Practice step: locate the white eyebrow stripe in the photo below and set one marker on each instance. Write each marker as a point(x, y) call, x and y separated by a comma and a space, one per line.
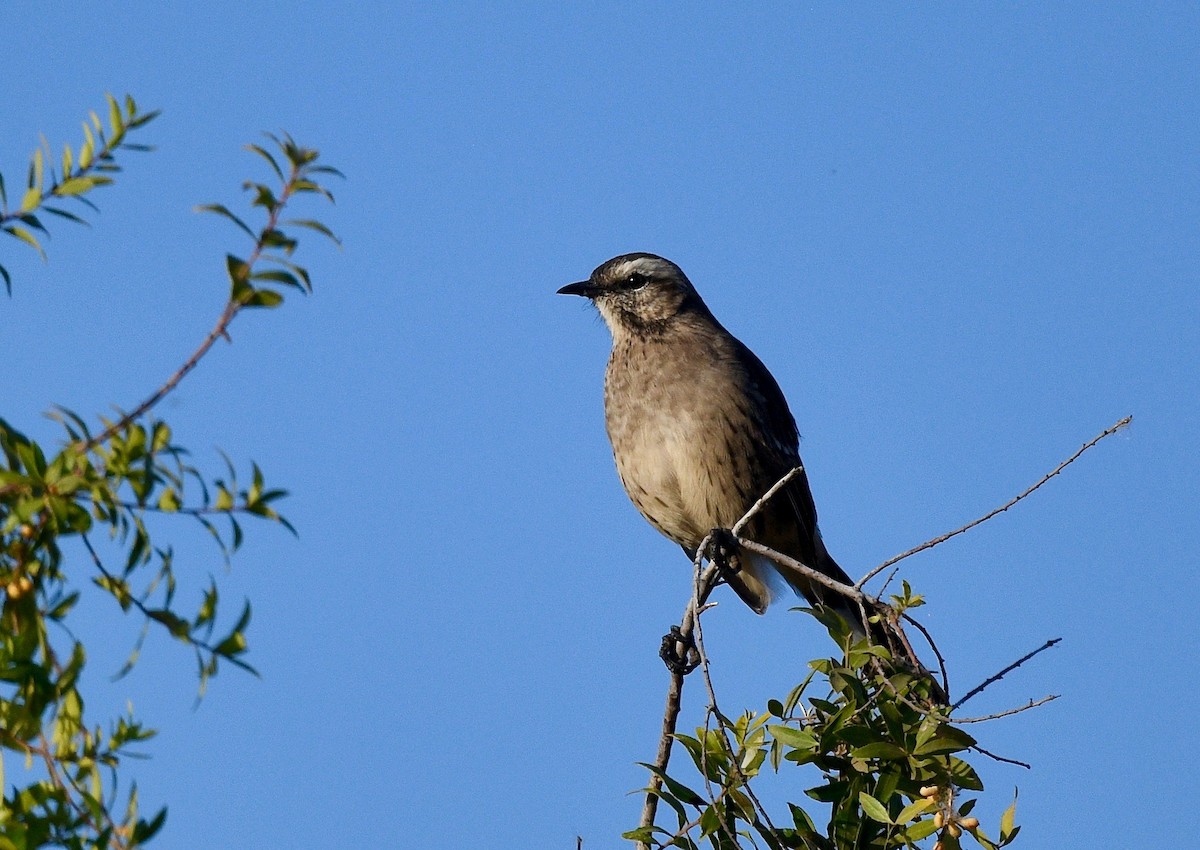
point(645, 265)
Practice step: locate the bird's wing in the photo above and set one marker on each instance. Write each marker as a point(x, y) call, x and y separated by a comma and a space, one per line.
point(793, 509)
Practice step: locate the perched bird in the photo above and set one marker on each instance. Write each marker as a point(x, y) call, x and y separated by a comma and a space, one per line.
point(700, 430)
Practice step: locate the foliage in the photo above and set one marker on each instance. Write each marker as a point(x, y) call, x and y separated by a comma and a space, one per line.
point(63, 510)
point(890, 761)
point(92, 166)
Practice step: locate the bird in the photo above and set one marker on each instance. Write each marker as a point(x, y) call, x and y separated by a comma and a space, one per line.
point(700, 430)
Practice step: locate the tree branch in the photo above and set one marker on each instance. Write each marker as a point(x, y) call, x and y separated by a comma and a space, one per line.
point(1002, 759)
point(978, 689)
point(1011, 711)
point(929, 544)
point(219, 330)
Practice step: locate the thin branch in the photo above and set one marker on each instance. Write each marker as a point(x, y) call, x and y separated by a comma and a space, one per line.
point(849, 591)
point(219, 330)
point(937, 652)
point(699, 587)
point(929, 544)
point(998, 676)
point(863, 600)
point(670, 718)
point(1011, 711)
point(702, 587)
point(991, 755)
point(189, 639)
point(766, 497)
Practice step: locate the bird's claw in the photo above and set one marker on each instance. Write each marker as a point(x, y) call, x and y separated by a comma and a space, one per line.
point(724, 552)
point(679, 662)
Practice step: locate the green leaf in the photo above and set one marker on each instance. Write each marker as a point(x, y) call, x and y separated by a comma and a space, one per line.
point(270, 160)
point(115, 121)
point(873, 809)
point(710, 821)
point(234, 644)
point(26, 237)
point(880, 750)
point(31, 199)
point(312, 224)
point(79, 185)
point(143, 831)
point(678, 789)
point(36, 177)
point(1007, 819)
point(949, 739)
point(914, 808)
point(262, 298)
point(801, 739)
point(174, 623)
point(964, 776)
point(67, 215)
point(169, 501)
point(920, 829)
point(644, 834)
point(239, 276)
point(222, 210)
point(88, 149)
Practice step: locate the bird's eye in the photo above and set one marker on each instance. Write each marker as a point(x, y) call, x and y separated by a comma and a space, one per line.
point(636, 281)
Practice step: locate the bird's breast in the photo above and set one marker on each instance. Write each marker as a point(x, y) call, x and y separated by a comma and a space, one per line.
point(677, 439)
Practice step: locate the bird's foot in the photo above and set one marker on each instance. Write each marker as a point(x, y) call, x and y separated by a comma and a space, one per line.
point(679, 652)
point(724, 552)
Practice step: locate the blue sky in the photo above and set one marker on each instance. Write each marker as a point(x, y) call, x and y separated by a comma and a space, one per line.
point(963, 238)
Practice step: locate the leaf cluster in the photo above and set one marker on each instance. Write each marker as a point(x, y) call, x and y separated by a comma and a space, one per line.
point(890, 764)
point(96, 508)
point(77, 174)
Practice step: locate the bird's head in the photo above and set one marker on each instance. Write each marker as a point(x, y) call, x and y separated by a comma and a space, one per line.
point(637, 292)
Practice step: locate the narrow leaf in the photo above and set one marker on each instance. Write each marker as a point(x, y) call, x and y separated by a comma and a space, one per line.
point(26, 237)
point(222, 210)
point(873, 809)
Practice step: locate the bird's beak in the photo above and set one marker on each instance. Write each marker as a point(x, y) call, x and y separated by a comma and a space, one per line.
point(584, 287)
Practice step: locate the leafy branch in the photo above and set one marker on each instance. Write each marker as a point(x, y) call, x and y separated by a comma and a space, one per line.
point(121, 478)
point(879, 730)
point(80, 173)
point(272, 248)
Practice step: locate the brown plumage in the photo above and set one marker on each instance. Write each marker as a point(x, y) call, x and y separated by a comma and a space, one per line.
point(700, 429)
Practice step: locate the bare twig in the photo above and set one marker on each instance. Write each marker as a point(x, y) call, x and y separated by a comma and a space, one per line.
point(929, 544)
point(888, 581)
point(998, 676)
point(937, 652)
point(702, 588)
point(849, 591)
point(218, 331)
point(1011, 711)
point(991, 755)
point(766, 497)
